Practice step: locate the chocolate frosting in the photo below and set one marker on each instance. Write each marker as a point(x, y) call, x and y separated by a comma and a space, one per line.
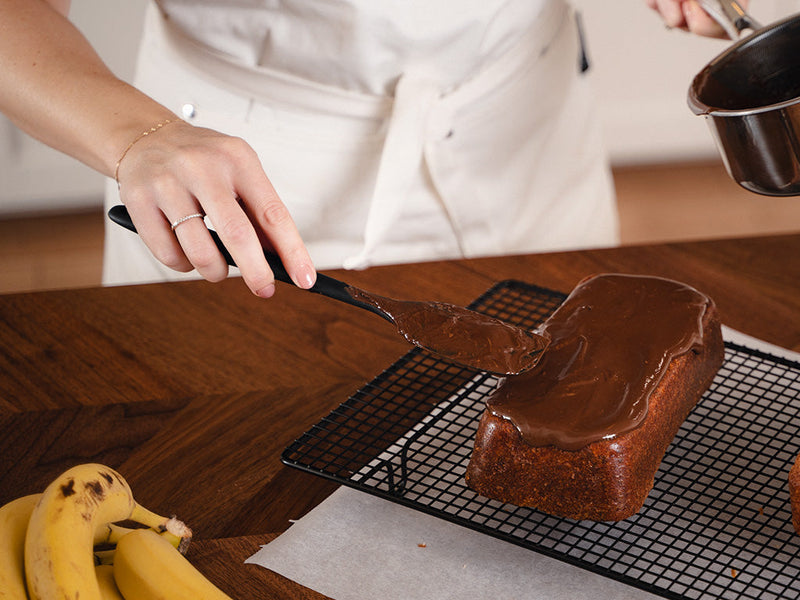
point(611, 343)
point(461, 335)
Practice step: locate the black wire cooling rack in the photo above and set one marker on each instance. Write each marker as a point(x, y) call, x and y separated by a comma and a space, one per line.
point(716, 525)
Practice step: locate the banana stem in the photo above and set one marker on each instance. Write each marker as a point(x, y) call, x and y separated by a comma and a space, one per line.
point(172, 529)
point(147, 517)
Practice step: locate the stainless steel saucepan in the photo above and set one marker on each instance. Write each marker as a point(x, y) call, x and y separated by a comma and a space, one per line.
point(750, 97)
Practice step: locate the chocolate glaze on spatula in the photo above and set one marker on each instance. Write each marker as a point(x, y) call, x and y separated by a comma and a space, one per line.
point(461, 335)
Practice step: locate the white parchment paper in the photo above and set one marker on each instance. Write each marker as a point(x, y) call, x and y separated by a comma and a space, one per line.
point(357, 546)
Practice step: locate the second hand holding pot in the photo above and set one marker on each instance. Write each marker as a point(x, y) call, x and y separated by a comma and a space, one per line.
point(453, 332)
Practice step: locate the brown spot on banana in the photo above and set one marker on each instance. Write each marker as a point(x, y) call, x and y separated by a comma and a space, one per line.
point(96, 489)
point(68, 489)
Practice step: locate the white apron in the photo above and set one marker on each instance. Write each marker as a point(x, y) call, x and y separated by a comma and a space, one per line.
point(387, 155)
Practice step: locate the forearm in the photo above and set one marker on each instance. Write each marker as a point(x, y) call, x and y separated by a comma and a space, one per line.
point(55, 87)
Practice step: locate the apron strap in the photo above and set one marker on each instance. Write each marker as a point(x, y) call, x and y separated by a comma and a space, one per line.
point(403, 150)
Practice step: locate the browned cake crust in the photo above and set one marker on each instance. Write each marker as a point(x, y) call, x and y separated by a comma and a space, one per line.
point(794, 493)
point(608, 479)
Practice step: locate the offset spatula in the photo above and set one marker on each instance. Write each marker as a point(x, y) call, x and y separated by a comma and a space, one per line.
point(455, 333)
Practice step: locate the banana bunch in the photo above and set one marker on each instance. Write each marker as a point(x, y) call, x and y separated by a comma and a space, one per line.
point(66, 544)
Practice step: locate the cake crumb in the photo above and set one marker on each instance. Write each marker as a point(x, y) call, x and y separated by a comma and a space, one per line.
point(422, 545)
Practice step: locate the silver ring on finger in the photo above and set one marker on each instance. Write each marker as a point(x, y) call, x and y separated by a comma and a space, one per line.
point(174, 224)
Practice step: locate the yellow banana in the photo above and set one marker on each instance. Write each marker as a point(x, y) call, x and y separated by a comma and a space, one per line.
point(14, 518)
point(148, 567)
point(105, 580)
point(59, 562)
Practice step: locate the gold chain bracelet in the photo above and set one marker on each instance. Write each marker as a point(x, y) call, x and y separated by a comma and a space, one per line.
point(139, 137)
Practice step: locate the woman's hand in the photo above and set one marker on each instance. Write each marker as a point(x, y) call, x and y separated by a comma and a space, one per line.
point(181, 170)
point(689, 16)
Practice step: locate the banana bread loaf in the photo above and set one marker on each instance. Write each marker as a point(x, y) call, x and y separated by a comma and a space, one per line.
point(583, 433)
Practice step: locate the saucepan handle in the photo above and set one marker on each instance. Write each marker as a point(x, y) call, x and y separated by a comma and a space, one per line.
point(731, 16)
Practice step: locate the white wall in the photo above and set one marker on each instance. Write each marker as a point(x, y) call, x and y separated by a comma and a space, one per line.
point(642, 72)
point(35, 178)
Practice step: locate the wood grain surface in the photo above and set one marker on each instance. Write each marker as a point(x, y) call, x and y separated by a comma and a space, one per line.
point(192, 390)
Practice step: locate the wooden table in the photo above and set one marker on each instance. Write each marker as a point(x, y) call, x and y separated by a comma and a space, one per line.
point(192, 390)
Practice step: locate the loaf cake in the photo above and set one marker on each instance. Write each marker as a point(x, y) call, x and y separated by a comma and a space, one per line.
point(583, 433)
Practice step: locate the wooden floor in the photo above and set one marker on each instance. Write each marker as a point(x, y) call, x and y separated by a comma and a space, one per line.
point(657, 203)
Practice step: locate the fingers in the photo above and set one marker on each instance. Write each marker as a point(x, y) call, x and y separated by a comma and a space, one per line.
point(248, 215)
point(186, 247)
point(687, 15)
point(699, 22)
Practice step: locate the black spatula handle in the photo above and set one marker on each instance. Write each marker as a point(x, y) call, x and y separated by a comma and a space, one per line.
point(326, 286)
